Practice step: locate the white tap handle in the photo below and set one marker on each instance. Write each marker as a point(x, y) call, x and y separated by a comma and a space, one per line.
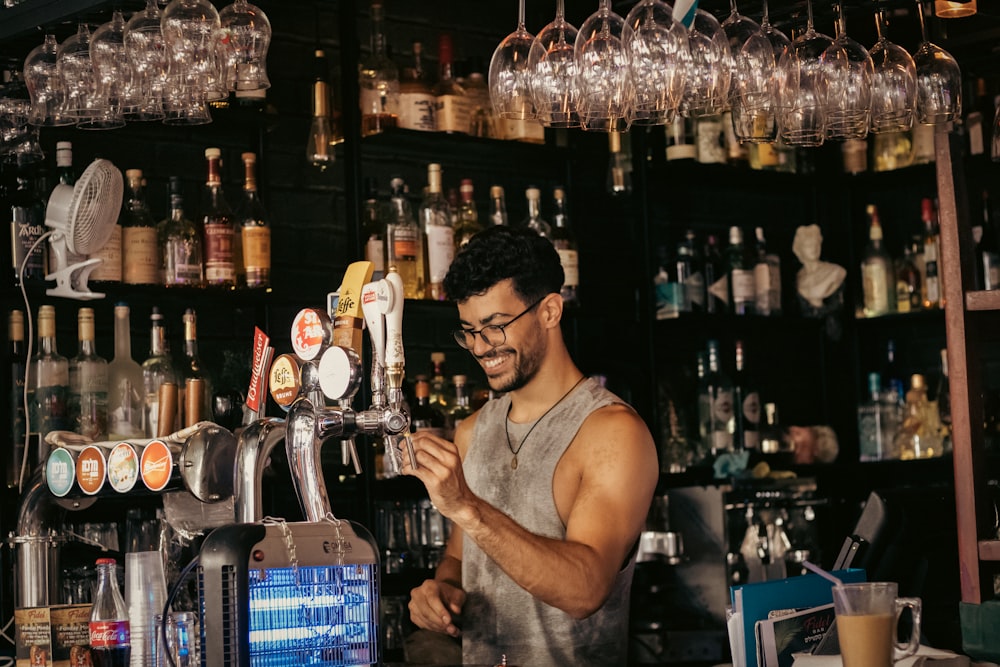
point(393, 311)
point(370, 306)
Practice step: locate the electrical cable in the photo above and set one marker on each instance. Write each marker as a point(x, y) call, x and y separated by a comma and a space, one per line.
point(170, 601)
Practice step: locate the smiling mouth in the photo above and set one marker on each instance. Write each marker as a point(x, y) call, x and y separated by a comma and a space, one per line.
point(493, 360)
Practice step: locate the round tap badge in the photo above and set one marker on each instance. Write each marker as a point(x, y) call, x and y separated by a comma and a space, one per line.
point(123, 467)
point(90, 469)
point(311, 330)
point(155, 465)
point(283, 380)
point(60, 472)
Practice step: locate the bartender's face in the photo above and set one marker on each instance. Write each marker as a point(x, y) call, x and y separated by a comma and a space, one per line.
point(512, 364)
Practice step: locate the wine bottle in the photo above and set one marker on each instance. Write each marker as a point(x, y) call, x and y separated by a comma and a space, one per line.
point(192, 368)
point(451, 108)
point(88, 383)
point(534, 220)
point(876, 269)
point(742, 291)
point(217, 226)
point(48, 383)
point(498, 206)
point(373, 229)
point(746, 404)
point(435, 221)
point(156, 369)
point(565, 242)
point(932, 255)
point(718, 402)
point(467, 222)
point(254, 230)
point(125, 387)
point(140, 251)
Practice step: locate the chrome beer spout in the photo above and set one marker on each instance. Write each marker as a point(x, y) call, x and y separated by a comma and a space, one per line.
point(35, 542)
point(253, 449)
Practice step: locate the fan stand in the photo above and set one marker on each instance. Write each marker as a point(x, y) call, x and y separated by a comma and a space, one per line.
point(75, 287)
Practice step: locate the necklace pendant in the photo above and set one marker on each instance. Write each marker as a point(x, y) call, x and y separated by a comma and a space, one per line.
point(513, 463)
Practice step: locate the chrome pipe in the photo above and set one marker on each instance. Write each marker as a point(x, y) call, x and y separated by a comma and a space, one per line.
point(303, 442)
point(35, 542)
point(252, 451)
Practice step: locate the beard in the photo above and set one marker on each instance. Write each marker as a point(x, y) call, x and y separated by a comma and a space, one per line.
point(526, 365)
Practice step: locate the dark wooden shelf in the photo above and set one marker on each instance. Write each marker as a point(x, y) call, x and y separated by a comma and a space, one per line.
point(989, 550)
point(980, 300)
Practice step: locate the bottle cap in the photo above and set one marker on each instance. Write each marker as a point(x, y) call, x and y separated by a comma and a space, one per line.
point(496, 191)
point(213, 153)
point(106, 561)
point(532, 193)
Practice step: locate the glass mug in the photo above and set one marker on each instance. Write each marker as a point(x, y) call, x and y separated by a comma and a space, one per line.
point(867, 617)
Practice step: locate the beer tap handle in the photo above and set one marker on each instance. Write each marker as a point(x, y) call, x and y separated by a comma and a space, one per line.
point(392, 308)
point(371, 295)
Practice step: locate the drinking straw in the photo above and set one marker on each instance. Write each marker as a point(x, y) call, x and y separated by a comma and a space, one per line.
point(823, 573)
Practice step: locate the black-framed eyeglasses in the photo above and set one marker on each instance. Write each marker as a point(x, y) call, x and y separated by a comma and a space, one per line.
point(493, 334)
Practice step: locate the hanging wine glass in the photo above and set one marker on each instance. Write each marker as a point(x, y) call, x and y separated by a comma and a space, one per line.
point(708, 74)
point(45, 86)
point(190, 31)
point(602, 71)
point(113, 81)
point(77, 73)
point(658, 57)
point(552, 64)
point(894, 84)
point(738, 29)
point(510, 76)
point(803, 87)
point(939, 80)
point(245, 37)
point(849, 73)
point(146, 51)
point(754, 89)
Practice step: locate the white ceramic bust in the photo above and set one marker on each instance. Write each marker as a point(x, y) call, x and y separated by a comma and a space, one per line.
point(817, 280)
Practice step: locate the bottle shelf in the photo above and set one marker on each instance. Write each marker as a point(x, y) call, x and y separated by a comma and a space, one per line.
point(935, 315)
point(981, 300)
point(989, 550)
point(407, 145)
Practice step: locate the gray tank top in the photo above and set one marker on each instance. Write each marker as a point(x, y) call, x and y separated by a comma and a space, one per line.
point(499, 616)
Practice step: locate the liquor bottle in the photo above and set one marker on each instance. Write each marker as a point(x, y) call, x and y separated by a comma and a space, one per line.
point(534, 220)
point(498, 206)
point(742, 291)
point(978, 119)
point(254, 229)
point(440, 396)
point(88, 383)
point(943, 399)
point(451, 108)
point(876, 269)
point(416, 98)
point(716, 278)
point(746, 405)
point(319, 145)
point(919, 436)
point(140, 251)
point(66, 175)
point(987, 249)
point(932, 283)
point(18, 365)
point(110, 270)
point(425, 416)
point(717, 404)
point(378, 80)
point(703, 405)
point(690, 272)
point(908, 291)
point(193, 371)
point(463, 406)
point(125, 388)
point(435, 222)
point(156, 369)
point(766, 278)
point(27, 224)
point(181, 248)
point(871, 430)
point(564, 240)
point(775, 444)
point(892, 377)
point(619, 178)
point(48, 383)
point(404, 245)
point(477, 91)
point(373, 229)
point(110, 636)
point(453, 206)
point(468, 217)
point(217, 226)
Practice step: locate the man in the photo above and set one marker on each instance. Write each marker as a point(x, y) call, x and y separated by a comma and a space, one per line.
point(547, 487)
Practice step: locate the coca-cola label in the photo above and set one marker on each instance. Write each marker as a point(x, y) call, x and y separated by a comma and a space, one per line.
point(109, 634)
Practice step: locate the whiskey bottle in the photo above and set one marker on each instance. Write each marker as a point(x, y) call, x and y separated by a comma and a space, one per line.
point(565, 242)
point(48, 384)
point(125, 388)
point(742, 291)
point(181, 249)
point(27, 224)
point(404, 244)
point(88, 383)
point(373, 229)
point(467, 221)
point(217, 226)
point(498, 206)
point(932, 282)
point(110, 269)
point(193, 373)
point(766, 278)
point(876, 269)
point(416, 98)
point(451, 108)
point(378, 80)
point(534, 220)
point(18, 366)
point(426, 416)
point(435, 220)
point(254, 229)
point(140, 251)
point(908, 291)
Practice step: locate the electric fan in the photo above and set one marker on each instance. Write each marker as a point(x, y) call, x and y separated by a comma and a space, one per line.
point(82, 217)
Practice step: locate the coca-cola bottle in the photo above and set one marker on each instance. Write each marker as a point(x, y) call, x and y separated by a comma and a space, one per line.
point(110, 638)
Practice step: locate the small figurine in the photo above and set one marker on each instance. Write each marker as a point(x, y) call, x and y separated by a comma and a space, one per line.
point(820, 284)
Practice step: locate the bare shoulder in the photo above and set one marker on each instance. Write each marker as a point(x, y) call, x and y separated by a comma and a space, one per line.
point(617, 431)
point(463, 433)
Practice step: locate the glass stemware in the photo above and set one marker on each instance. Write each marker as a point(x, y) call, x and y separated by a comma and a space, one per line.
point(552, 63)
point(602, 71)
point(658, 56)
point(245, 38)
point(849, 73)
point(754, 96)
point(708, 74)
point(45, 86)
point(510, 76)
point(146, 51)
point(77, 73)
point(939, 80)
point(803, 87)
point(894, 84)
point(113, 81)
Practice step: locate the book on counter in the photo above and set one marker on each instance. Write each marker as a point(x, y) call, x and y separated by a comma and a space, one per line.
point(754, 602)
point(787, 632)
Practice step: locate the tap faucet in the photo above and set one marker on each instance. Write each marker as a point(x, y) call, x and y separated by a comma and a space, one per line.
point(253, 448)
point(35, 541)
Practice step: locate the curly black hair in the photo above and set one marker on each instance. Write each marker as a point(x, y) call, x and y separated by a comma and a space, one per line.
point(500, 252)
